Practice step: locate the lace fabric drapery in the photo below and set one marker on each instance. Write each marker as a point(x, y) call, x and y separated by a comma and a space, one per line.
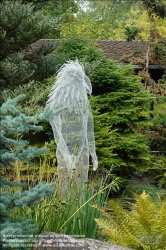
point(73, 127)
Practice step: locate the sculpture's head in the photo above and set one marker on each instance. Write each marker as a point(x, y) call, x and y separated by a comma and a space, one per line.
point(72, 72)
point(71, 88)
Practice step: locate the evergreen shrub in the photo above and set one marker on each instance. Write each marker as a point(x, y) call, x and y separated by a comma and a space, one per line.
point(121, 113)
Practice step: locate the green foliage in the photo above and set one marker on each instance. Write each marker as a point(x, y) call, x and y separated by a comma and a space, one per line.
point(73, 214)
point(131, 32)
point(163, 79)
point(63, 10)
point(121, 114)
point(137, 52)
point(36, 94)
point(161, 178)
point(45, 64)
point(157, 6)
point(112, 11)
point(43, 168)
point(157, 48)
point(158, 139)
point(104, 77)
point(34, 101)
point(78, 47)
point(73, 47)
point(15, 71)
point(20, 26)
point(142, 227)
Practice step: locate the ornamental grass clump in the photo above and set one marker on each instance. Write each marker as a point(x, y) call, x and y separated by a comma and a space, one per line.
point(75, 214)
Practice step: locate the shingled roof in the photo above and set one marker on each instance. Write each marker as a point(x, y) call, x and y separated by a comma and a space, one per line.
point(122, 51)
point(116, 49)
point(133, 52)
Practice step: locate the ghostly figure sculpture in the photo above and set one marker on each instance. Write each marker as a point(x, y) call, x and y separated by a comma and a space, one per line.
point(73, 127)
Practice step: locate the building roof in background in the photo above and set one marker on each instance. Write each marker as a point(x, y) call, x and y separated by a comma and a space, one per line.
point(122, 51)
point(116, 49)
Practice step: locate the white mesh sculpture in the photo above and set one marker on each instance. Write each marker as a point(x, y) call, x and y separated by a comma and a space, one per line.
point(73, 127)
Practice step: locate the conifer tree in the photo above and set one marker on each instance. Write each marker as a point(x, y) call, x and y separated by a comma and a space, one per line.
point(14, 122)
point(22, 25)
point(122, 113)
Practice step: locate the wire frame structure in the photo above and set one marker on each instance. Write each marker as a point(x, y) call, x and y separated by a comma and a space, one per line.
point(73, 128)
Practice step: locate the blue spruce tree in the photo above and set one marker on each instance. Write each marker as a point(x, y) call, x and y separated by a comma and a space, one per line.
point(11, 150)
